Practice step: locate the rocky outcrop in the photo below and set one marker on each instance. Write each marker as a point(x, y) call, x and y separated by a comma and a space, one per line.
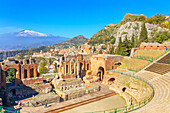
point(128, 26)
point(129, 29)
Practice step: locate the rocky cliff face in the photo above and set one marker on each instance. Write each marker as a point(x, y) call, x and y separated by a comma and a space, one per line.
point(129, 26)
point(129, 29)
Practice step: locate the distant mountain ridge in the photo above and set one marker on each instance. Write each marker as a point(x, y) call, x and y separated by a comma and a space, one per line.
point(78, 40)
point(27, 39)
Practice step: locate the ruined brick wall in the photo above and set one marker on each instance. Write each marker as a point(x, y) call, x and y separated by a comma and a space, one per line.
point(110, 63)
point(31, 81)
point(97, 62)
point(155, 47)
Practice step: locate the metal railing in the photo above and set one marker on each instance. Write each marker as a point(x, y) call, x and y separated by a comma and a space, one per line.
point(12, 110)
point(132, 107)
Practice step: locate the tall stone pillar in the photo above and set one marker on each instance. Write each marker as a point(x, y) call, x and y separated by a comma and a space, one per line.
point(35, 70)
point(85, 65)
point(22, 72)
point(65, 68)
point(77, 69)
point(70, 68)
point(60, 68)
point(28, 71)
point(3, 79)
point(74, 68)
point(17, 75)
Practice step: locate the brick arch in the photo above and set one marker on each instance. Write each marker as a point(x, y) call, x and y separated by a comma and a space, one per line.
point(4, 68)
point(101, 72)
point(111, 80)
point(17, 75)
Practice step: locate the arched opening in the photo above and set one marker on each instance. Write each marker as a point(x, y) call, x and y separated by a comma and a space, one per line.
point(87, 66)
point(123, 89)
point(25, 73)
point(118, 63)
point(31, 73)
point(72, 67)
point(10, 76)
point(111, 81)
point(66, 69)
point(100, 73)
point(13, 91)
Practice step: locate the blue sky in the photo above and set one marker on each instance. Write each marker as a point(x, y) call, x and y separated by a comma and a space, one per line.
point(70, 18)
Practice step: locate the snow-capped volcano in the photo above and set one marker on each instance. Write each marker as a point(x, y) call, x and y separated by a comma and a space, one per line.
point(27, 39)
point(29, 33)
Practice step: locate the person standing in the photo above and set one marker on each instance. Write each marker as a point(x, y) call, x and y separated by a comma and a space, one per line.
point(19, 104)
point(45, 104)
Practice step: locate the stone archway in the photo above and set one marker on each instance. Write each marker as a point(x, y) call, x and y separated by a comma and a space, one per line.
point(111, 81)
point(81, 68)
point(100, 73)
point(124, 89)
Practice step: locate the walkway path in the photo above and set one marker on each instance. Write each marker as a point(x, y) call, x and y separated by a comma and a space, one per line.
point(101, 105)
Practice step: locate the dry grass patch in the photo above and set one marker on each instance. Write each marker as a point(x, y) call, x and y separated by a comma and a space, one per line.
point(134, 64)
point(149, 54)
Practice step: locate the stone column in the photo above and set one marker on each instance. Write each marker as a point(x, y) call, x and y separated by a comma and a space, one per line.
point(35, 70)
point(3, 79)
point(60, 68)
point(17, 75)
point(77, 69)
point(70, 68)
point(22, 71)
point(65, 68)
point(74, 68)
point(28, 71)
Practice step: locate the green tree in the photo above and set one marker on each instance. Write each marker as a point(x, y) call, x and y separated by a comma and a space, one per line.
point(10, 74)
point(94, 49)
point(113, 39)
point(76, 46)
point(119, 47)
point(56, 68)
point(111, 50)
point(126, 47)
point(157, 19)
point(143, 34)
point(100, 52)
point(162, 36)
point(133, 41)
point(50, 61)
point(103, 47)
point(43, 69)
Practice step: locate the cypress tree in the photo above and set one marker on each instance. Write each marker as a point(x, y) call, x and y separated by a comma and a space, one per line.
point(126, 47)
point(143, 34)
point(111, 50)
point(119, 47)
point(133, 41)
